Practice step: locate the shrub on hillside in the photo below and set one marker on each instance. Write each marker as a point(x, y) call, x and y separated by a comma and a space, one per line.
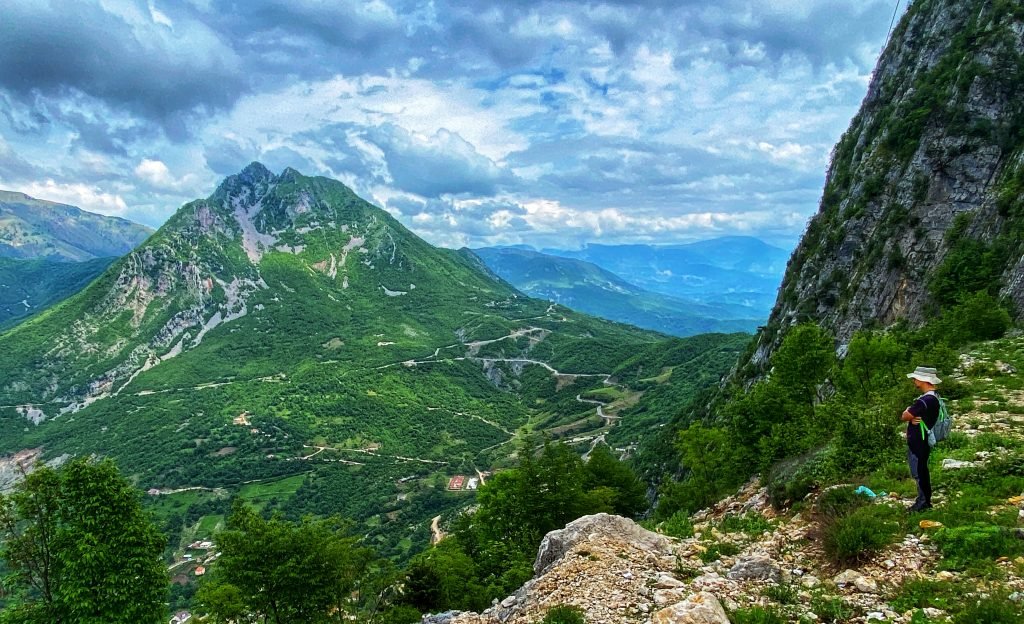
point(839, 501)
point(751, 523)
point(861, 533)
point(979, 316)
point(791, 480)
point(679, 525)
point(717, 550)
point(564, 614)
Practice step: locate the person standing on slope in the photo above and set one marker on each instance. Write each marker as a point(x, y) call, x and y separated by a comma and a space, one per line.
point(925, 409)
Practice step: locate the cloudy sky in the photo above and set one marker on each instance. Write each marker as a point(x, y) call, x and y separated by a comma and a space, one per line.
point(551, 123)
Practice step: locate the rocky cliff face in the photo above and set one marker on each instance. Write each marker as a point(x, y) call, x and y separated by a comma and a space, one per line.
point(922, 201)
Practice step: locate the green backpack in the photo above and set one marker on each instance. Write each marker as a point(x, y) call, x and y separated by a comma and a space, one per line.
point(942, 427)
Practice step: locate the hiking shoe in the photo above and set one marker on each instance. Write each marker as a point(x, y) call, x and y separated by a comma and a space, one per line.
point(916, 507)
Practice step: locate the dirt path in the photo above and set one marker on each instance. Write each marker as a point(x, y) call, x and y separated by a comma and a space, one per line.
point(398, 457)
point(436, 535)
point(473, 416)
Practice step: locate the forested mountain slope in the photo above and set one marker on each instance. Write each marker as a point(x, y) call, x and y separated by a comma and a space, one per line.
point(29, 286)
point(286, 340)
point(923, 198)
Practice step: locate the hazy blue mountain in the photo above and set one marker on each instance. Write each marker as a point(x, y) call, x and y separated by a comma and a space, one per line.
point(736, 270)
point(586, 287)
point(33, 228)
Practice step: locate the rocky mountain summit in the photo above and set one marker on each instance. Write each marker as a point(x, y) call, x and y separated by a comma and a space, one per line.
point(745, 554)
point(922, 201)
point(202, 270)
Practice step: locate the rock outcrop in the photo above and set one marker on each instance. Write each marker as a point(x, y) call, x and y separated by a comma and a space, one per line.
point(929, 171)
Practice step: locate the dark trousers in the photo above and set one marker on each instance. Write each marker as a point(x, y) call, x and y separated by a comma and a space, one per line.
point(917, 458)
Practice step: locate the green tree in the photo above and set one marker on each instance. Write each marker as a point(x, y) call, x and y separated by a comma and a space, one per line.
point(627, 492)
point(804, 361)
point(80, 548)
point(708, 454)
point(284, 571)
point(444, 577)
point(873, 363)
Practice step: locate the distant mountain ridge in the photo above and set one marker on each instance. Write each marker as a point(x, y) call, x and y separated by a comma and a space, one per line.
point(736, 270)
point(586, 287)
point(33, 228)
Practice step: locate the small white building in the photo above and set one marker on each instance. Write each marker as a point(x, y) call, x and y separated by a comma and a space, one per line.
point(472, 484)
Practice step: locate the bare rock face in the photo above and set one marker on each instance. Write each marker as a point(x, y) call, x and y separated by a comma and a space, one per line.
point(699, 608)
point(926, 167)
point(557, 543)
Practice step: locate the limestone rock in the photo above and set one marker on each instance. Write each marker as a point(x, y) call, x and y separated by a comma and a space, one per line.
point(664, 597)
point(857, 580)
point(441, 618)
point(699, 608)
point(810, 581)
point(667, 581)
point(556, 543)
point(955, 464)
point(757, 568)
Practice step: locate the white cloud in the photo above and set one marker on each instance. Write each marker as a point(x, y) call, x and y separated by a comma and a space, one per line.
point(84, 196)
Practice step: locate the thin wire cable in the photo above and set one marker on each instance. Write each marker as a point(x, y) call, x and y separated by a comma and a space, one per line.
point(892, 23)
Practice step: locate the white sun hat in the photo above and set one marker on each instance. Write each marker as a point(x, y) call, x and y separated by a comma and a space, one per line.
point(924, 373)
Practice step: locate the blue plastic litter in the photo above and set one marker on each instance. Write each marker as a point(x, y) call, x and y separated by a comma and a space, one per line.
point(866, 492)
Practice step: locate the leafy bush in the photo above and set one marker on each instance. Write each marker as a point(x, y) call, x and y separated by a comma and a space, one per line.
point(679, 525)
point(977, 316)
point(757, 615)
point(839, 501)
point(793, 479)
point(860, 534)
point(750, 523)
point(564, 614)
point(974, 543)
point(718, 550)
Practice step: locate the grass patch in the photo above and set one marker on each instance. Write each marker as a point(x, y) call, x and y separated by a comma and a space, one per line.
point(782, 593)
point(208, 525)
point(977, 544)
point(994, 609)
point(757, 615)
point(831, 609)
point(718, 550)
point(923, 593)
point(839, 501)
point(259, 494)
